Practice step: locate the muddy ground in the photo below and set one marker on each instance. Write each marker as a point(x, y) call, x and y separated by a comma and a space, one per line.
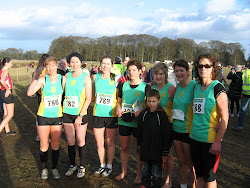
point(20, 163)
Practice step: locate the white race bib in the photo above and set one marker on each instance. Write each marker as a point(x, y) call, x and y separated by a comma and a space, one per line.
point(178, 114)
point(52, 101)
point(71, 101)
point(127, 107)
point(199, 105)
point(104, 99)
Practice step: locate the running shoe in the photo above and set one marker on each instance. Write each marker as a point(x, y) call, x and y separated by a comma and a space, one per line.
point(107, 172)
point(100, 170)
point(55, 174)
point(45, 174)
point(81, 172)
point(10, 133)
point(71, 170)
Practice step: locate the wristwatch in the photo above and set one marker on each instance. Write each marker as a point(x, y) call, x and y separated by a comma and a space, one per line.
point(80, 115)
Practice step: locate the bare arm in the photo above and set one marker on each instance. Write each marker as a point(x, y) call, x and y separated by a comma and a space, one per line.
point(93, 88)
point(222, 106)
point(171, 92)
point(36, 85)
point(88, 91)
point(118, 107)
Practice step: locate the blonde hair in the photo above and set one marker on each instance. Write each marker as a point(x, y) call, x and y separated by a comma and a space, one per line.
point(161, 66)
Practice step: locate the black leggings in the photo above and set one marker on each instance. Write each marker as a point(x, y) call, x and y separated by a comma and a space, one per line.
point(237, 105)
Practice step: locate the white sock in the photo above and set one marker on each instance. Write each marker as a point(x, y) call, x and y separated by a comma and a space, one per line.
point(102, 165)
point(109, 166)
point(183, 185)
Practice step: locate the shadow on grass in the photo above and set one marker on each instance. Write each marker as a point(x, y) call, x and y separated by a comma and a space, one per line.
point(5, 180)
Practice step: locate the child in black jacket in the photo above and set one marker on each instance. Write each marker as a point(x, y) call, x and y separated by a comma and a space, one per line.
point(154, 140)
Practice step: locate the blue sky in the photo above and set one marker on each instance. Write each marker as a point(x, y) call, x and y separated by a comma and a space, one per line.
point(32, 25)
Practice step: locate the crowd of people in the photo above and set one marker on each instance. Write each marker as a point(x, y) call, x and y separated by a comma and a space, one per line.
point(189, 116)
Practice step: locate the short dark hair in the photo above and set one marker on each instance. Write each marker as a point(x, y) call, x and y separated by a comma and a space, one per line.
point(153, 93)
point(181, 63)
point(136, 63)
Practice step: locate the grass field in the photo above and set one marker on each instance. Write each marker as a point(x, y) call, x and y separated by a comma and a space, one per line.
point(20, 163)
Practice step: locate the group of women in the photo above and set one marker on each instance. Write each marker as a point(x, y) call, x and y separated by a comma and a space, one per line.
point(197, 111)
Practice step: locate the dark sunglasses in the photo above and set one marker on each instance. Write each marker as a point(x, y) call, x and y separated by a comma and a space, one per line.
point(207, 66)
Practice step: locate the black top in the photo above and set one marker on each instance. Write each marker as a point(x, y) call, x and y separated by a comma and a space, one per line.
point(153, 134)
point(235, 87)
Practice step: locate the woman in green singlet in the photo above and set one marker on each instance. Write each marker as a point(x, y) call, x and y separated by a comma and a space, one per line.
point(182, 121)
point(104, 113)
point(49, 115)
point(78, 93)
point(210, 111)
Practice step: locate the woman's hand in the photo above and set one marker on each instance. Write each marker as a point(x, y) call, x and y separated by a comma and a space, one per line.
point(7, 93)
point(78, 122)
point(137, 113)
point(119, 112)
point(215, 148)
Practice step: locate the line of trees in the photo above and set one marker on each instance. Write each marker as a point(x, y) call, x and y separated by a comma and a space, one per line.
point(144, 47)
point(20, 54)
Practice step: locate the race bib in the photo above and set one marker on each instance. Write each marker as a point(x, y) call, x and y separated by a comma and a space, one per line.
point(52, 101)
point(199, 105)
point(71, 101)
point(178, 114)
point(127, 107)
point(104, 99)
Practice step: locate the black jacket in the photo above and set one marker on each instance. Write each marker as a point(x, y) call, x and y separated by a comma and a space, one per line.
point(153, 134)
point(235, 87)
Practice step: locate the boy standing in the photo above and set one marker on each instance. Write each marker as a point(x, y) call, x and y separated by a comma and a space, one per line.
point(154, 140)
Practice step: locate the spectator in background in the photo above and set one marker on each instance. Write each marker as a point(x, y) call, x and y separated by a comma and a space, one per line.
point(95, 69)
point(30, 70)
point(235, 89)
point(245, 97)
point(84, 68)
point(62, 67)
point(144, 74)
point(171, 76)
point(221, 76)
point(150, 73)
point(125, 62)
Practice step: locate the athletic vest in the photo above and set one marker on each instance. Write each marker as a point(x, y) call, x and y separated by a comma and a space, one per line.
point(246, 82)
point(74, 94)
point(105, 93)
point(129, 96)
point(205, 114)
point(8, 81)
point(51, 96)
point(183, 108)
point(166, 103)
